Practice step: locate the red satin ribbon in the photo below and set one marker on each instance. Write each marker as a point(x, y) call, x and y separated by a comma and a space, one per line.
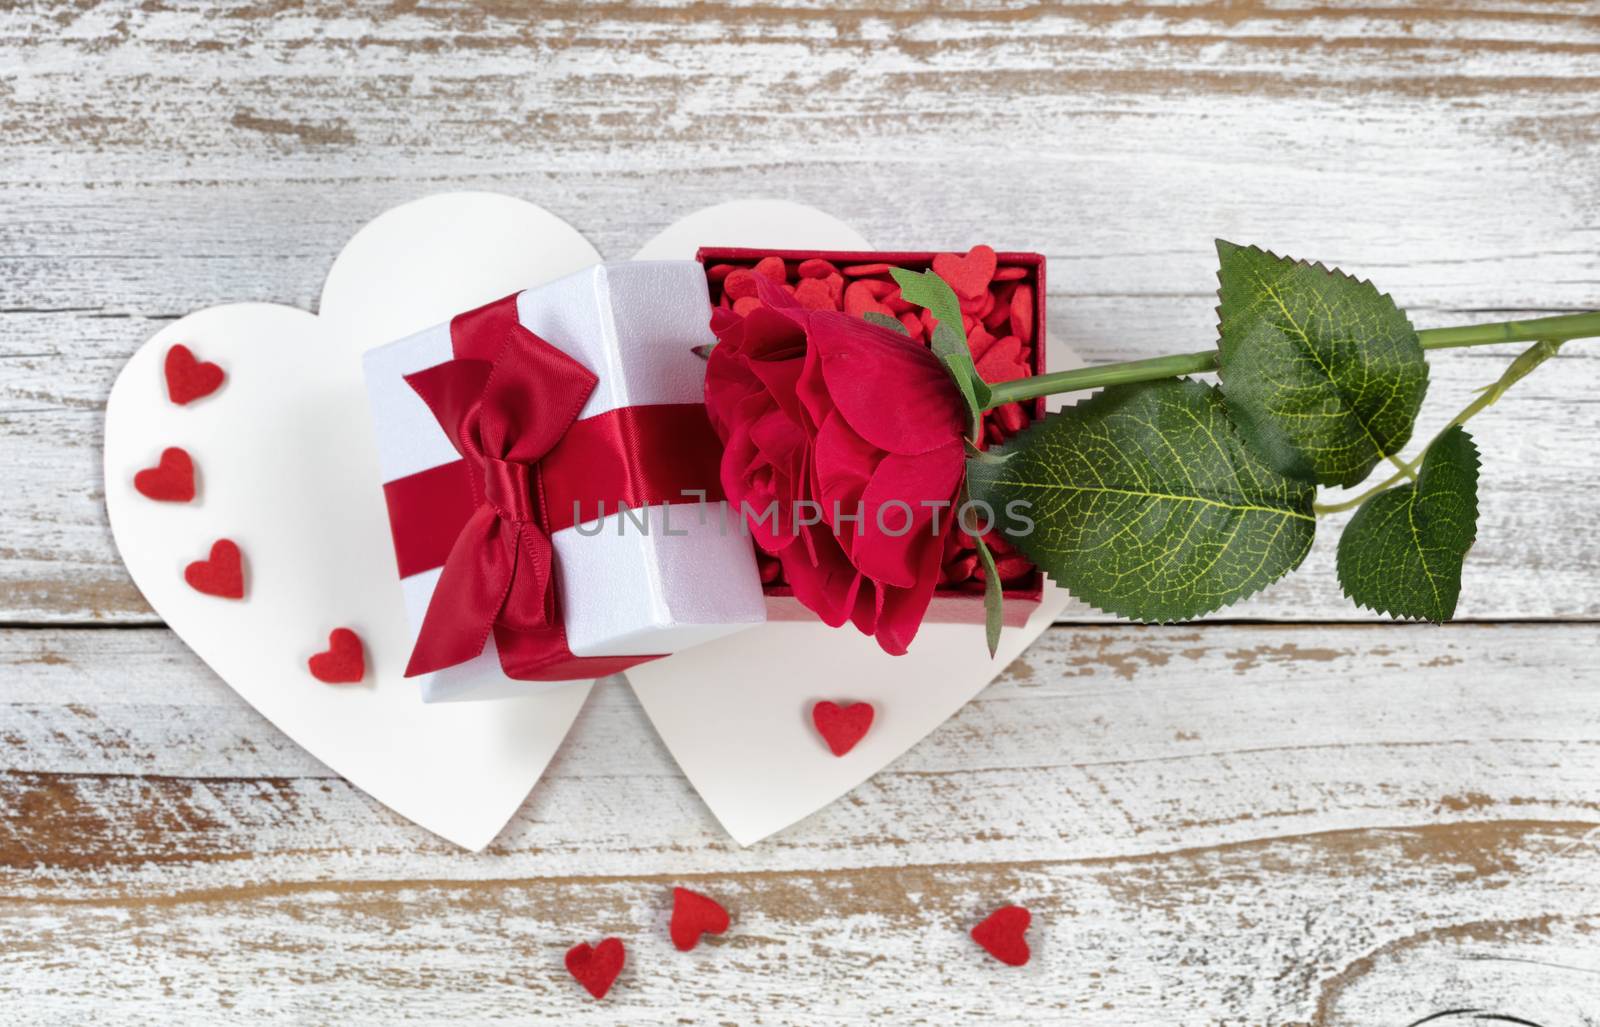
point(509, 403)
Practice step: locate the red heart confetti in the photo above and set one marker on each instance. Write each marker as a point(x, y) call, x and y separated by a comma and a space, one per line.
point(815, 294)
point(860, 298)
point(694, 914)
point(842, 726)
point(816, 267)
point(1001, 935)
point(739, 284)
point(1022, 312)
point(221, 574)
point(188, 379)
point(970, 275)
point(343, 662)
point(171, 480)
point(596, 966)
point(774, 268)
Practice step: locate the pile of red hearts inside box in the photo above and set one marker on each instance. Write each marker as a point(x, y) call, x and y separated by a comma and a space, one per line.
point(998, 308)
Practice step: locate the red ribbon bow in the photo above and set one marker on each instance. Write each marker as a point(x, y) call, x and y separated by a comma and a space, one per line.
point(509, 403)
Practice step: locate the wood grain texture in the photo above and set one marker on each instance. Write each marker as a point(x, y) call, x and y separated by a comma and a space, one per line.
point(1255, 824)
point(161, 159)
point(1284, 825)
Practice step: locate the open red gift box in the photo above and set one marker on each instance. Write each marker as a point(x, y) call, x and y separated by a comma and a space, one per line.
point(958, 599)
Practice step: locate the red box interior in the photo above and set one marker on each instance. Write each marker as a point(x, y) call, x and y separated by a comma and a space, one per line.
point(951, 604)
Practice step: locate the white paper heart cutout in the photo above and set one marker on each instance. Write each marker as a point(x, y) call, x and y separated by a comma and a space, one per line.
point(285, 458)
point(287, 440)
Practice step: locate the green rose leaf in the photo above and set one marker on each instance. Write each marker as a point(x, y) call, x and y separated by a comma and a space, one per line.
point(993, 596)
point(1401, 553)
point(1145, 501)
point(949, 344)
point(926, 289)
point(885, 321)
point(1323, 374)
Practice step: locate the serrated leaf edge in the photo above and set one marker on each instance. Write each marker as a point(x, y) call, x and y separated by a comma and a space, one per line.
point(1336, 272)
point(1406, 618)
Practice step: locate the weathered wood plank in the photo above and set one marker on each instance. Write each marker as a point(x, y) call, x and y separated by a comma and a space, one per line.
point(1285, 932)
point(160, 160)
point(1234, 824)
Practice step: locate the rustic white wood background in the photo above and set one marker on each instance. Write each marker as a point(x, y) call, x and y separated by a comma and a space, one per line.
point(1251, 821)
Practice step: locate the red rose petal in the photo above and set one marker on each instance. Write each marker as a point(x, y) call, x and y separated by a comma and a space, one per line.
point(1022, 312)
point(773, 268)
point(857, 357)
point(842, 726)
point(739, 284)
point(968, 275)
point(1001, 935)
point(694, 914)
point(171, 480)
point(343, 662)
point(596, 966)
point(221, 574)
point(189, 379)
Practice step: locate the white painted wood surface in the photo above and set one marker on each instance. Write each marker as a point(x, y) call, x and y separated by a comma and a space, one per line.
point(1287, 824)
point(1249, 823)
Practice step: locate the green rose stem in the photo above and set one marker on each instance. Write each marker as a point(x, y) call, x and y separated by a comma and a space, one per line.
point(1520, 368)
point(1552, 329)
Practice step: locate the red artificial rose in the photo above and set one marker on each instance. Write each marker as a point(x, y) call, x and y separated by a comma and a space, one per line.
point(852, 426)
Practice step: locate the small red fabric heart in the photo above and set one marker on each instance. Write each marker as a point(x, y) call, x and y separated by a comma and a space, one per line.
point(970, 275)
point(596, 966)
point(222, 574)
point(694, 914)
point(842, 726)
point(1001, 932)
point(189, 379)
point(171, 480)
point(343, 662)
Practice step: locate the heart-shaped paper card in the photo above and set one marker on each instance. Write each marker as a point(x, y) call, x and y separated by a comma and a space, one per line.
point(286, 468)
